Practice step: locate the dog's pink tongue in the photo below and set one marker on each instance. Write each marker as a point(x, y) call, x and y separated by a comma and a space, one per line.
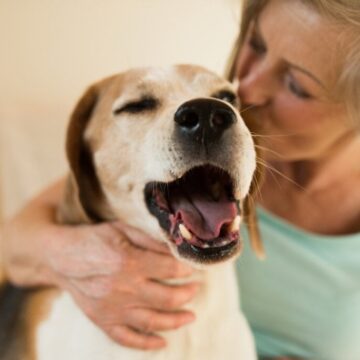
point(200, 213)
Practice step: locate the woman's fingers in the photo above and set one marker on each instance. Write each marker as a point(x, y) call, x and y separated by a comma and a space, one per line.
point(115, 274)
point(131, 338)
point(159, 266)
point(140, 239)
point(149, 321)
point(142, 323)
point(167, 297)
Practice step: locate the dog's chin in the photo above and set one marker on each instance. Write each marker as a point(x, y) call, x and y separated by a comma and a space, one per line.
point(199, 213)
point(200, 259)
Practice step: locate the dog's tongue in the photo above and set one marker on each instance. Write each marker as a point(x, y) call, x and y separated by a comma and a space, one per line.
point(202, 213)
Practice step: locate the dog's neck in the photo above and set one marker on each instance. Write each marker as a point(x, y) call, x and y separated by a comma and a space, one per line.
point(70, 211)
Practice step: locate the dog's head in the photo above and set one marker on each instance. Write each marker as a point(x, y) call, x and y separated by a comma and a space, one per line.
point(166, 151)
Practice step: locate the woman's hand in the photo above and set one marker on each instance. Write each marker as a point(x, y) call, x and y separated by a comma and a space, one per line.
point(115, 281)
point(112, 271)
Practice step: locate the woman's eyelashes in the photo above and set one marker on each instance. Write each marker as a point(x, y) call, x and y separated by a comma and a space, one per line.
point(295, 88)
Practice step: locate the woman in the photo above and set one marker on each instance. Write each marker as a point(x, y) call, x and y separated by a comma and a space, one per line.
point(304, 300)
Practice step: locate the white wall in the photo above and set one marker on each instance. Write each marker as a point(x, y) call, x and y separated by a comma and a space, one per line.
point(50, 50)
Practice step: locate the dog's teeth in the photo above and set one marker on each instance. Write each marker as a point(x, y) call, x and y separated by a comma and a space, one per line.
point(205, 245)
point(222, 243)
point(186, 234)
point(235, 225)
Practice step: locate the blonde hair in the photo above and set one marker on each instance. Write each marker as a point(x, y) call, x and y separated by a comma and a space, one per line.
point(346, 14)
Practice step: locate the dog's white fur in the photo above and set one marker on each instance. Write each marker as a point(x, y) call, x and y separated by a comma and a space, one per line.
point(219, 332)
point(124, 167)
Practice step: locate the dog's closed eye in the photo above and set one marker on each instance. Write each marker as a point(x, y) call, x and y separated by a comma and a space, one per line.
point(138, 106)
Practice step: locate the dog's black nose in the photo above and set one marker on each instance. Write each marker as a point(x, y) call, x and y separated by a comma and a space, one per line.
point(204, 120)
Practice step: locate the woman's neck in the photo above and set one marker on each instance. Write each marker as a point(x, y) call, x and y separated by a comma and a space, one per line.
point(337, 165)
point(320, 195)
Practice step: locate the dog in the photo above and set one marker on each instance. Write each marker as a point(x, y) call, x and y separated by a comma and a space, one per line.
point(166, 151)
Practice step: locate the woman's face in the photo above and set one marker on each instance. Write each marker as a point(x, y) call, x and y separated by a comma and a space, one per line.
point(287, 70)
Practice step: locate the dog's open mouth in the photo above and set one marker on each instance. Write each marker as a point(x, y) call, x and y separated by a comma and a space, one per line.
point(200, 213)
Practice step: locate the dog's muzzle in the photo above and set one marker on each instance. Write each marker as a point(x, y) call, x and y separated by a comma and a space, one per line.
point(199, 210)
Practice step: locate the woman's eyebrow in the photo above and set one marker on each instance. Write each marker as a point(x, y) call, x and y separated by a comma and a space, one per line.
point(306, 72)
point(289, 64)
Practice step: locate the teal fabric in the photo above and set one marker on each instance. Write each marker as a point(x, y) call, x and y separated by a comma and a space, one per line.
point(304, 299)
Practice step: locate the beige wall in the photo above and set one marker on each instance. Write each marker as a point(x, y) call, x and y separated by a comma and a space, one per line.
point(52, 49)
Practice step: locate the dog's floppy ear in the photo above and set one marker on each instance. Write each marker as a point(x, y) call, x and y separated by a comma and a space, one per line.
point(250, 217)
point(83, 193)
point(249, 205)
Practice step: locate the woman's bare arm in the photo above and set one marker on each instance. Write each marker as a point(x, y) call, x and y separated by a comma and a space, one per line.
point(26, 235)
point(98, 265)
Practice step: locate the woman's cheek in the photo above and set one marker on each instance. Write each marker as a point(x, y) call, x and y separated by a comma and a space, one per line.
point(291, 114)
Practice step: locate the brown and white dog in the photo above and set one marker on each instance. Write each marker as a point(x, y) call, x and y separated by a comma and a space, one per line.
point(166, 151)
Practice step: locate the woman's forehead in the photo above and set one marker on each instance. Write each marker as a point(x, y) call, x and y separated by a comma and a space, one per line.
point(297, 33)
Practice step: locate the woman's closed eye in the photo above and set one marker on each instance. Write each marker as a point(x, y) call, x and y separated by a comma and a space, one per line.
point(295, 88)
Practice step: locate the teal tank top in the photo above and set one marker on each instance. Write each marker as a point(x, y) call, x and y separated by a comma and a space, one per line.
point(304, 299)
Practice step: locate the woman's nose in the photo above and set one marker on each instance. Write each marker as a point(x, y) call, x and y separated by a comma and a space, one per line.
point(256, 85)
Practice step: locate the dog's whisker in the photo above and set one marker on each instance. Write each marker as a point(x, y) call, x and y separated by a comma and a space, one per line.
point(246, 109)
point(276, 171)
point(274, 178)
point(257, 191)
point(263, 148)
point(296, 133)
point(262, 136)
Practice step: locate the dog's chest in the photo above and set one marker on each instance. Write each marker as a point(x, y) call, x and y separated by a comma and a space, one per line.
point(219, 332)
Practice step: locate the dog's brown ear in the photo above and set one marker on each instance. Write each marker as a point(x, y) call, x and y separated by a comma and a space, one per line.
point(250, 217)
point(83, 193)
point(249, 206)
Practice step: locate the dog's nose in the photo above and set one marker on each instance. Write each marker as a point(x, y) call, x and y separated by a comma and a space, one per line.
point(204, 120)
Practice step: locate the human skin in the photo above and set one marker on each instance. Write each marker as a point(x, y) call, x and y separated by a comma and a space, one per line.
point(285, 81)
point(98, 265)
point(288, 83)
